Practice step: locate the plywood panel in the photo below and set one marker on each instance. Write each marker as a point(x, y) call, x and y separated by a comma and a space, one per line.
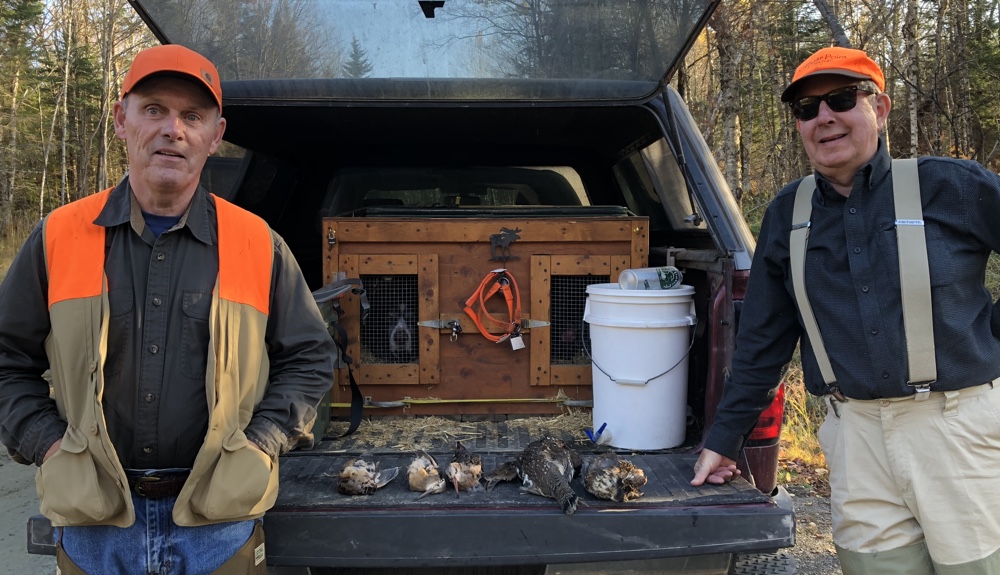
point(451, 257)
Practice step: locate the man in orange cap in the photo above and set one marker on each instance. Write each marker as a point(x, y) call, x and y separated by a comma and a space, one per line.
point(878, 267)
point(185, 350)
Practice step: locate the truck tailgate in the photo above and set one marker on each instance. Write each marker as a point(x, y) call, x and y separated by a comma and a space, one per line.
point(313, 524)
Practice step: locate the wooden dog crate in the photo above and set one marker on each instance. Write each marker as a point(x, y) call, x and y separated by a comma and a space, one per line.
point(421, 270)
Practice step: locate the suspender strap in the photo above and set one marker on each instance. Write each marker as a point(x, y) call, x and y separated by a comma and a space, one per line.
point(914, 274)
point(797, 253)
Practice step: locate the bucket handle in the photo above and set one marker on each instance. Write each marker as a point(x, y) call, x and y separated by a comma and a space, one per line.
point(639, 382)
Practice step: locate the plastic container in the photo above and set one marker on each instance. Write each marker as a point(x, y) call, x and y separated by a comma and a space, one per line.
point(640, 341)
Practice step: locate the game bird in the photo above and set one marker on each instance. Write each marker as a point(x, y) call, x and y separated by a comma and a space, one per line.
point(465, 470)
point(363, 477)
point(545, 467)
point(424, 475)
point(609, 476)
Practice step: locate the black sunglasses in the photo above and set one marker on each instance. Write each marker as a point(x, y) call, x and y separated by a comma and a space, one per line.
point(839, 100)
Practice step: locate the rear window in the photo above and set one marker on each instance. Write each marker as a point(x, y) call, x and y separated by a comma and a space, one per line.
point(638, 41)
point(353, 189)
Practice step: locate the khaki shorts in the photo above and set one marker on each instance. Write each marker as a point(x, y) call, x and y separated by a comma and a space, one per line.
point(248, 560)
point(904, 471)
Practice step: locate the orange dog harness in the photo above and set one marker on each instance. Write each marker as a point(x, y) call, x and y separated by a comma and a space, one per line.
point(499, 280)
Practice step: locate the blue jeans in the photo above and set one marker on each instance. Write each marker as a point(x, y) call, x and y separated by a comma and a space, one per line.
point(153, 545)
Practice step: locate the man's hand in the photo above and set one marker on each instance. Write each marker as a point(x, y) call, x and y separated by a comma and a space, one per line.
point(714, 468)
point(52, 450)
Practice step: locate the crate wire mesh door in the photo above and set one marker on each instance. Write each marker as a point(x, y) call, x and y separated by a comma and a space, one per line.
point(568, 332)
point(390, 333)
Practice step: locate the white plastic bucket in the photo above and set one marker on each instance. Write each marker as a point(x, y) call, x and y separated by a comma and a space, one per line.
point(639, 346)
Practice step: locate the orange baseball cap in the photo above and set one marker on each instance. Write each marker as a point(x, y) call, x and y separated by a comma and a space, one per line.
point(840, 61)
point(173, 59)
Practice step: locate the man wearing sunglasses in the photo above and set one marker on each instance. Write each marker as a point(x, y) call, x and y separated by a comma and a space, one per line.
point(913, 460)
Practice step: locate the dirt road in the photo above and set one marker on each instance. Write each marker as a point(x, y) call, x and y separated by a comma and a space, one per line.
point(814, 552)
point(18, 501)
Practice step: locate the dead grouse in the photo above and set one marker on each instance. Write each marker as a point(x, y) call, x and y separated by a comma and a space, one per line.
point(545, 467)
point(609, 476)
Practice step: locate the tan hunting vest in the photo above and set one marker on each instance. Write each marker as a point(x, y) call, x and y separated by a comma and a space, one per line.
point(84, 482)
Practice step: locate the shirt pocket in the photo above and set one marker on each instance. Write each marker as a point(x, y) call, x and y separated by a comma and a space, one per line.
point(119, 330)
point(196, 306)
point(940, 260)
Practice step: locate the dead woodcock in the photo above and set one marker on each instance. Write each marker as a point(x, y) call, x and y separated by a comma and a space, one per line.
point(362, 477)
point(465, 470)
point(545, 468)
point(609, 476)
point(425, 476)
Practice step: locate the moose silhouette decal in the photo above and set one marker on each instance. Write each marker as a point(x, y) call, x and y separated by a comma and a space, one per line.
point(500, 244)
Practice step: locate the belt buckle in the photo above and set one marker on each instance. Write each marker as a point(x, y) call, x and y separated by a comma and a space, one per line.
point(140, 481)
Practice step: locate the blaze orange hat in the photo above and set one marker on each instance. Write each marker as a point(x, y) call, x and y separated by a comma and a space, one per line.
point(840, 61)
point(177, 60)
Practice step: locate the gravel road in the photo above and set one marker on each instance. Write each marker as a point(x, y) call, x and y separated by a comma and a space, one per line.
point(814, 552)
point(18, 502)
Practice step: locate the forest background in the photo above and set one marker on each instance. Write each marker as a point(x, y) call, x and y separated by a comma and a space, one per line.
point(62, 62)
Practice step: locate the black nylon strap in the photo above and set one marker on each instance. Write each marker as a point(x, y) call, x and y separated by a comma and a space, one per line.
point(357, 400)
point(329, 295)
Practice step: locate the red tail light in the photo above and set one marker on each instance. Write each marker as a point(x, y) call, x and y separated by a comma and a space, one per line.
point(769, 425)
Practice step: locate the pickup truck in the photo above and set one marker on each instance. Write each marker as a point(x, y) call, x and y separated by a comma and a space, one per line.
point(407, 150)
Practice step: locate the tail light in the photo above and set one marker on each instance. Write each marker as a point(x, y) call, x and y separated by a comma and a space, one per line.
point(768, 427)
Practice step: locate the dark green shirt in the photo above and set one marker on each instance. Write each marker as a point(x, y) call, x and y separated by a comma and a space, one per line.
point(852, 279)
point(160, 291)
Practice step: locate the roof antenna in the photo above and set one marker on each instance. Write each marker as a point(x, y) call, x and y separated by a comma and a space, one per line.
point(428, 6)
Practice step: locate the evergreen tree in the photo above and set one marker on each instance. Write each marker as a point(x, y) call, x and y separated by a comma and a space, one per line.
point(357, 65)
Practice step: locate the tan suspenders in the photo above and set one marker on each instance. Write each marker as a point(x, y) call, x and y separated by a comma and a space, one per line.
point(914, 276)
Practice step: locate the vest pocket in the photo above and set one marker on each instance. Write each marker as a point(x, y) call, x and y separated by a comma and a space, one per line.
point(73, 488)
point(239, 483)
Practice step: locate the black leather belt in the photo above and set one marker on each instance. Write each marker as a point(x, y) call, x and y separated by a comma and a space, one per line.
point(156, 486)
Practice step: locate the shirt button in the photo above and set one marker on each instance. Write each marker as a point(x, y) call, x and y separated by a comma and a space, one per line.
point(153, 349)
point(874, 331)
point(147, 450)
point(854, 210)
point(885, 375)
point(157, 301)
point(149, 398)
point(160, 256)
point(857, 250)
point(864, 289)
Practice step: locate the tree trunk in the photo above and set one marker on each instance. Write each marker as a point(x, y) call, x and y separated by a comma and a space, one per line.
point(729, 62)
point(963, 109)
point(913, 72)
point(63, 197)
point(7, 197)
point(836, 30)
point(939, 89)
